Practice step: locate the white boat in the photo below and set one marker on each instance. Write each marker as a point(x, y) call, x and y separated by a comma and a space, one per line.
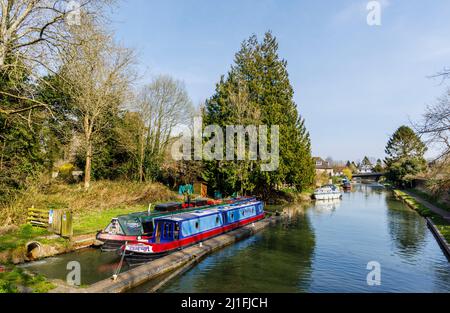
point(327, 192)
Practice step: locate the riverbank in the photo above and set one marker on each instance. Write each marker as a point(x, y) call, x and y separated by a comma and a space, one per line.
point(429, 211)
point(92, 210)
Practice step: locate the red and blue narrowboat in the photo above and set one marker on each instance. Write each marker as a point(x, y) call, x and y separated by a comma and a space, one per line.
point(182, 230)
point(139, 226)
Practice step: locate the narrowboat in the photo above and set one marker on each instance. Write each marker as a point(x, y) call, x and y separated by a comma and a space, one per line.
point(178, 231)
point(140, 225)
point(327, 192)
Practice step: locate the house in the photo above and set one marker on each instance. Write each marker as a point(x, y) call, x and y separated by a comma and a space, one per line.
point(323, 167)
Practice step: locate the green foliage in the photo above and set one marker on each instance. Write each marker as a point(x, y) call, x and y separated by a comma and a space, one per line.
point(413, 203)
point(65, 172)
point(378, 168)
point(264, 76)
point(405, 153)
point(20, 237)
point(30, 141)
point(441, 224)
point(10, 282)
point(22, 155)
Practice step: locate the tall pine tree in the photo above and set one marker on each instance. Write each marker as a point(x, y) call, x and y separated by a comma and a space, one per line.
point(269, 94)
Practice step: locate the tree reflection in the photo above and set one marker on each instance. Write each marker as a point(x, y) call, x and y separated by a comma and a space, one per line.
point(276, 260)
point(407, 230)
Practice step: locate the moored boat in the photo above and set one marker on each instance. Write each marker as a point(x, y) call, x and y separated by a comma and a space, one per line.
point(181, 230)
point(347, 185)
point(139, 226)
point(327, 192)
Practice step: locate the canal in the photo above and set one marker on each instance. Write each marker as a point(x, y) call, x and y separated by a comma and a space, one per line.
point(324, 247)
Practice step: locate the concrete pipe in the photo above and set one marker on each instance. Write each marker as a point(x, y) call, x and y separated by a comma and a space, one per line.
point(34, 250)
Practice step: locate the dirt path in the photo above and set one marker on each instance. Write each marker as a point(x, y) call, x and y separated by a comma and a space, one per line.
point(445, 214)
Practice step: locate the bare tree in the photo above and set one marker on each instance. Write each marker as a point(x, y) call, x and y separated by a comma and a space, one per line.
point(32, 32)
point(98, 77)
point(164, 104)
point(435, 125)
point(435, 128)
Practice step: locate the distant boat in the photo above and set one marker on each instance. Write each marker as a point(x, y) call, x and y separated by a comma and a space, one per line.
point(346, 184)
point(376, 185)
point(327, 192)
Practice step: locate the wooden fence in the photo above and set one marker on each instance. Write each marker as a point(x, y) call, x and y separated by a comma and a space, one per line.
point(57, 221)
point(37, 217)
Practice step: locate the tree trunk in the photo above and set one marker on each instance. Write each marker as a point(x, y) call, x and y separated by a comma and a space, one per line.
point(141, 157)
point(87, 169)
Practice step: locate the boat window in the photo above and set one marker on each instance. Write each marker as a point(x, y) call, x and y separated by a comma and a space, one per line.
point(243, 212)
point(148, 227)
point(177, 232)
point(166, 230)
point(197, 225)
point(217, 220)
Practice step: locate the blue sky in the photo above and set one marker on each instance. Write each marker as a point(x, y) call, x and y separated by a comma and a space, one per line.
point(354, 84)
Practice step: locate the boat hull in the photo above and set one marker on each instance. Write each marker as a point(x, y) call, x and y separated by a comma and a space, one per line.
point(327, 196)
point(111, 242)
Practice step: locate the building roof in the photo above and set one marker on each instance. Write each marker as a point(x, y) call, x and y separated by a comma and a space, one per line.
point(321, 164)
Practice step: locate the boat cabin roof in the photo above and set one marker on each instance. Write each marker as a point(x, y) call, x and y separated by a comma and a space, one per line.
point(196, 214)
point(187, 216)
point(236, 206)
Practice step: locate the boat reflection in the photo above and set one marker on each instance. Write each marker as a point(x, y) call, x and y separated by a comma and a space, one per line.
point(327, 205)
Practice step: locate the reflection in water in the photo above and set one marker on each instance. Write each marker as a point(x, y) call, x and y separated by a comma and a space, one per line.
point(278, 260)
point(95, 265)
point(327, 206)
point(408, 232)
point(326, 249)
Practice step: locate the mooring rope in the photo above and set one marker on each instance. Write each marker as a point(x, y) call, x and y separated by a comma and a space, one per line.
point(120, 263)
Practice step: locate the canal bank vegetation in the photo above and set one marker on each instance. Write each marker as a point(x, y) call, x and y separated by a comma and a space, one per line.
point(16, 280)
point(102, 196)
point(432, 198)
point(441, 224)
point(92, 211)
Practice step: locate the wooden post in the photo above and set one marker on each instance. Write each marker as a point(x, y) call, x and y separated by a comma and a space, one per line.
point(66, 224)
point(56, 222)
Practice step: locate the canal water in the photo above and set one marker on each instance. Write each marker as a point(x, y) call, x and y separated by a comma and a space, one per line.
point(325, 247)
